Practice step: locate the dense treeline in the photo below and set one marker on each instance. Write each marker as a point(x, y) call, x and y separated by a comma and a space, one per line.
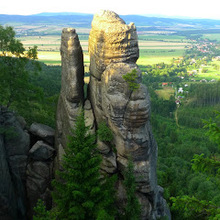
point(204, 94)
point(182, 141)
point(48, 81)
point(177, 146)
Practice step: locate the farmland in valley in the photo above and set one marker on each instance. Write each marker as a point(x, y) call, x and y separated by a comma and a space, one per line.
point(153, 48)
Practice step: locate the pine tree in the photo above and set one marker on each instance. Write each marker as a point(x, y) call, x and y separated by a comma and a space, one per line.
point(133, 208)
point(40, 211)
point(78, 191)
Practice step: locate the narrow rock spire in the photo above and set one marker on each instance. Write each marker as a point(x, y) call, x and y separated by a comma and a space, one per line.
point(72, 94)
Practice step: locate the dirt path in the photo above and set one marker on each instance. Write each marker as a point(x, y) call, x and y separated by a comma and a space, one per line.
point(176, 118)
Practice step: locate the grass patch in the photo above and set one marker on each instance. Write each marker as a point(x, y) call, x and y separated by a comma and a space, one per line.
point(165, 92)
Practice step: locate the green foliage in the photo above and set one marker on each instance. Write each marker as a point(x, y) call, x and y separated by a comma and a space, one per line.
point(131, 79)
point(24, 88)
point(16, 91)
point(211, 166)
point(193, 208)
point(214, 129)
point(78, 192)
point(133, 208)
point(204, 204)
point(8, 43)
point(192, 116)
point(40, 211)
point(180, 136)
point(104, 132)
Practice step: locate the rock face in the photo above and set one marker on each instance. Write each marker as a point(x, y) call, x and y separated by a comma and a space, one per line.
point(39, 169)
point(14, 146)
point(71, 95)
point(111, 40)
point(113, 50)
point(25, 171)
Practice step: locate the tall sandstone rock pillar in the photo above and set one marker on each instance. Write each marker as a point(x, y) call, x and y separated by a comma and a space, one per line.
point(113, 49)
point(71, 96)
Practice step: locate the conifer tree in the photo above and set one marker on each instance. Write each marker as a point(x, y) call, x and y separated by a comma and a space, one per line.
point(78, 190)
point(133, 208)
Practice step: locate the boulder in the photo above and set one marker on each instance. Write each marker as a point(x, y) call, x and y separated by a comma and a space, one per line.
point(41, 151)
point(43, 132)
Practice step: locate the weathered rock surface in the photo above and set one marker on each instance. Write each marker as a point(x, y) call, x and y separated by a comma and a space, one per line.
point(110, 41)
point(72, 94)
point(38, 184)
point(39, 170)
point(113, 49)
point(14, 147)
point(25, 174)
point(43, 132)
point(41, 151)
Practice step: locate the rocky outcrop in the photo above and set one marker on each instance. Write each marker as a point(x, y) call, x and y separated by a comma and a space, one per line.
point(39, 169)
point(25, 171)
point(113, 50)
point(110, 41)
point(14, 147)
point(72, 94)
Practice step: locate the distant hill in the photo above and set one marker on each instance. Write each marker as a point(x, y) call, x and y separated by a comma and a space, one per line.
point(60, 14)
point(46, 18)
point(76, 20)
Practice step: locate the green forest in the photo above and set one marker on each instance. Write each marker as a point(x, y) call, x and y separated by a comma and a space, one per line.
point(186, 125)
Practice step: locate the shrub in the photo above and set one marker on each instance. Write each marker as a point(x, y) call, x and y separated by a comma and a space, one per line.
point(131, 79)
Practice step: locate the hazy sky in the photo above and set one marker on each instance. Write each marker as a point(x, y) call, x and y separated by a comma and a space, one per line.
point(186, 8)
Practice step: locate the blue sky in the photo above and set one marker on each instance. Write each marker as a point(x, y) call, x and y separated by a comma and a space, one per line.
point(177, 8)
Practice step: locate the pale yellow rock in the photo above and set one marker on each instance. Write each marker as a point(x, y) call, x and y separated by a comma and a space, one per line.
point(111, 40)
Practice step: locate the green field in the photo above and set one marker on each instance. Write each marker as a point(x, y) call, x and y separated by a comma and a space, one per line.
point(153, 48)
point(165, 92)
